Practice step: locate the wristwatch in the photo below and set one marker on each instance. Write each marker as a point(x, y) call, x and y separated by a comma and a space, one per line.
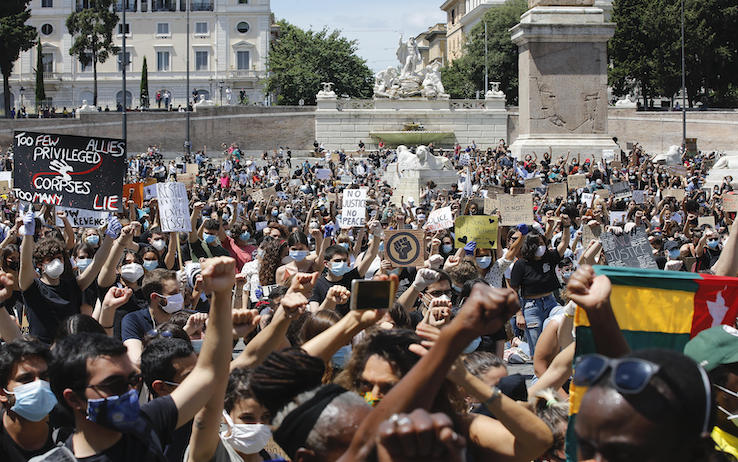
point(496, 395)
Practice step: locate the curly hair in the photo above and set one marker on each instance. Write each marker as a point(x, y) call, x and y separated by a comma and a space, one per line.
point(530, 245)
point(271, 261)
point(47, 248)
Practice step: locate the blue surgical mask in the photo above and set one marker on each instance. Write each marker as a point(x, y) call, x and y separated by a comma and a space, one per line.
point(34, 400)
point(93, 239)
point(245, 236)
point(275, 213)
point(197, 345)
point(472, 347)
point(150, 265)
point(209, 238)
point(674, 254)
point(120, 413)
point(447, 248)
point(484, 262)
point(345, 245)
point(83, 263)
point(298, 255)
point(340, 268)
point(713, 244)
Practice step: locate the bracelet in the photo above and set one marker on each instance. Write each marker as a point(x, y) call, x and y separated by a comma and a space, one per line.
point(496, 395)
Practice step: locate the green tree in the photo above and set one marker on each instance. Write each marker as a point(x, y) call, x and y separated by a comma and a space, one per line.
point(144, 84)
point(40, 90)
point(300, 60)
point(92, 29)
point(466, 75)
point(16, 38)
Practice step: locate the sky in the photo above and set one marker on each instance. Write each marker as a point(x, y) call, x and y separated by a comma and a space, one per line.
point(376, 25)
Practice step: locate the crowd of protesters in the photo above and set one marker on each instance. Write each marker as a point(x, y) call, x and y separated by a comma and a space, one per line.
point(118, 342)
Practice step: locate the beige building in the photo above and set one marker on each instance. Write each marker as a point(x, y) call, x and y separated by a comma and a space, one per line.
point(432, 44)
point(229, 42)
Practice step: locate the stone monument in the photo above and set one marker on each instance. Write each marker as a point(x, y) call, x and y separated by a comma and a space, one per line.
point(410, 78)
point(413, 169)
point(84, 109)
point(562, 56)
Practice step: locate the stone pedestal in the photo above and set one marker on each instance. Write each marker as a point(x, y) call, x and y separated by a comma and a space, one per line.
point(563, 79)
point(412, 182)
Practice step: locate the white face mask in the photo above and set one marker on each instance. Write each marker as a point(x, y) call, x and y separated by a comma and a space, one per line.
point(131, 272)
point(54, 268)
point(159, 244)
point(541, 251)
point(246, 438)
point(174, 303)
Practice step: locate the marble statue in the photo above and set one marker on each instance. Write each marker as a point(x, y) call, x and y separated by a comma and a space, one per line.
point(384, 86)
point(203, 103)
point(409, 174)
point(494, 91)
point(422, 159)
point(410, 58)
point(726, 162)
point(432, 85)
point(327, 91)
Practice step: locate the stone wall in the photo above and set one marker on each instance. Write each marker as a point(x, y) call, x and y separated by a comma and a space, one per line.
point(254, 128)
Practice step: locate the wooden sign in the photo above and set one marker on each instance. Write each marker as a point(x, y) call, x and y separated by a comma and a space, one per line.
point(405, 248)
point(481, 229)
point(515, 210)
point(576, 181)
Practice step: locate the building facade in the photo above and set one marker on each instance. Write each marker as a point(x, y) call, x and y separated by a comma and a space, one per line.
point(432, 44)
point(229, 43)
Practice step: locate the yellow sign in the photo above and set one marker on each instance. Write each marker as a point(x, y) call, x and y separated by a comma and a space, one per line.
point(481, 229)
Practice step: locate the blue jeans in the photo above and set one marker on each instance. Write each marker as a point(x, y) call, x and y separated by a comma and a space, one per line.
point(536, 311)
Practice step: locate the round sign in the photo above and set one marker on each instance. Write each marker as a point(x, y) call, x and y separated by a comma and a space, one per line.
point(403, 249)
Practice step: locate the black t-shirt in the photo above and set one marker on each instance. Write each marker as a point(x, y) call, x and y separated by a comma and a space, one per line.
point(156, 426)
point(536, 277)
point(136, 324)
point(11, 452)
point(47, 306)
point(137, 302)
point(196, 250)
point(320, 291)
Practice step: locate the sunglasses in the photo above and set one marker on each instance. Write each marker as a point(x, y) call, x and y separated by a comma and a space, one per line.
point(629, 376)
point(117, 385)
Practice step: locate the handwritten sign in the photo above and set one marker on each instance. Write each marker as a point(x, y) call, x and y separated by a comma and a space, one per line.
point(677, 170)
point(621, 190)
point(730, 202)
point(629, 249)
point(709, 221)
point(323, 174)
point(516, 209)
point(557, 190)
point(677, 194)
point(481, 229)
point(72, 171)
point(587, 198)
point(346, 179)
point(405, 248)
point(174, 213)
point(603, 193)
point(533, 183)
point(440, 219)
point(80, 218)
point(576, 181)
point(491, 206)
point(353, 211)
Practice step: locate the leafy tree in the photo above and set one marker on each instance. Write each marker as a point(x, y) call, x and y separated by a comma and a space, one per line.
point(300, 60)
point(93, 31)
point(144, 84)
point(40, 90)
point(466, 75)
point(16, 38)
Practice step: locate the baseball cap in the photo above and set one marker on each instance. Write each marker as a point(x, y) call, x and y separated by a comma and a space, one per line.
point(671, 245)
point(714, 347)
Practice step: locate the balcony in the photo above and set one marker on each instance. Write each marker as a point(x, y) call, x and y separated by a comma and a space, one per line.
point(50, 76)
point(201, 5)
point(244, 74)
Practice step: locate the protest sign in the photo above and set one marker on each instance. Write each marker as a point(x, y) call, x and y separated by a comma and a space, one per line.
point(261, 225)
point(603, 193)
point(72, 171)
point(5, 187)
point(187, 179)
point(353, 211)
point(346, 179)
point(639, 196)
point(677, 194)
point(621, 190)
point(677, 170)
point(587, 198)
point(150, 191)
point(134, 192)
point(533, 183)
point(481, 229)
point(263, 194)
point(617, 218)
point(730, 202)
point(590, 233)
point(80, 218)
point(440, 219)
point(608, 155)
point(405, 248)
point(515, 210)
point(616, 165)
point(296, 182)
point(192, 168)
point(491, 206)
point(576, 181)
point(174, 212)
point(6, 182)
point(557, 190)
point(518, 191)
point(709, 221)
point(629, 249)
point(323, 174)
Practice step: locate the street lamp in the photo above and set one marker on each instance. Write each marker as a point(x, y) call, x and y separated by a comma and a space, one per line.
point(220, 87)
point(21, 91)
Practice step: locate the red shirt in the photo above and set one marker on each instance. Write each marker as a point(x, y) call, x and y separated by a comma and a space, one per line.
point(241, 254)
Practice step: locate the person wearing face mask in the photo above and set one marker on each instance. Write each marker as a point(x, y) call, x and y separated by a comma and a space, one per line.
point(83, 255)
point(208, 246)
point(287, 218)
point(55, 293)
point(11, 264)
point(300, 259)
point(708, 249)
point(91, 238)
point(165, 251)
point(164, 292)
point(492, 267)
point(238, 244)
point(28, 424)
point(534, 277)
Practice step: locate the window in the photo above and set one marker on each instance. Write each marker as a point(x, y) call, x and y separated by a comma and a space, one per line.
point(86, 67)
point(201, 60)
point(242, 60)
point(201, 28)
point(242, 27)
point(163, 5)
point(243, 2)
point(162, 61)
point(130, 5)
point(47, 3)
point(47, 61)
point(124, 58)
point(47, 29)
point(82, 4)
point(162, 28)
point(128, 29)
point(453, 16)
point(201, 5)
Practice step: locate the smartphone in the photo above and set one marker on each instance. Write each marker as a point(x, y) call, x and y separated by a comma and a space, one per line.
point(372, 295)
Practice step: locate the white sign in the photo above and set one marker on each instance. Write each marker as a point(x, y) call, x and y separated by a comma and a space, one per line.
point(150, 191)
point(608, 155)
point(617, 218)
point(587, 199)
point(174, 211)
point(323, 174)
point(346, 179)
point(440, 219)
point(353, 211)
point(80, 218)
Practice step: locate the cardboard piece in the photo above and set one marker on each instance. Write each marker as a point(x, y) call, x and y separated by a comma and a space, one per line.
point(576, 181)
point(557, 190)
point(677, 194)
point(730, 202)
point(515, 210)
point(533, 183)
point(440, 219)
point(629, 249)
point(710, 221)
point(405, 248)
point(174, 210)
point(481, 229)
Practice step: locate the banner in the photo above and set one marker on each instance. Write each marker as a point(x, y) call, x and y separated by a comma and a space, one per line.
point(481, 229)
point(628, 249)
point(80, 218)
point(353, 211)
point(72, 171)
point(439, 219)
point(515, 210)
point(174, 210)
point(405, 248)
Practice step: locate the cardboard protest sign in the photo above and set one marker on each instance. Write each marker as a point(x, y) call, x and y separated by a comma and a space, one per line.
point(587, 198)
point(174, 211)
point(440, 219)
point(72, 171)
point(187, 179)
point(323, 174)
point(515, 210)
point(263, 194)
point(677, 170)
point(677, 194)
point(6, 182)
point(481, 229)
point(603, 193)
point(80, 218)
point(134, 192)
point(730, 202)
point(576, 181)
point(353, 211)
point(621, 190)
point(557, 190)
point(590, 233)
point(405, 248)
point(639, 196)
point(533, 183)
point(192, 168)
point(518, 191)
point(491, 206)
point(710, 221)
point(629, 249)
